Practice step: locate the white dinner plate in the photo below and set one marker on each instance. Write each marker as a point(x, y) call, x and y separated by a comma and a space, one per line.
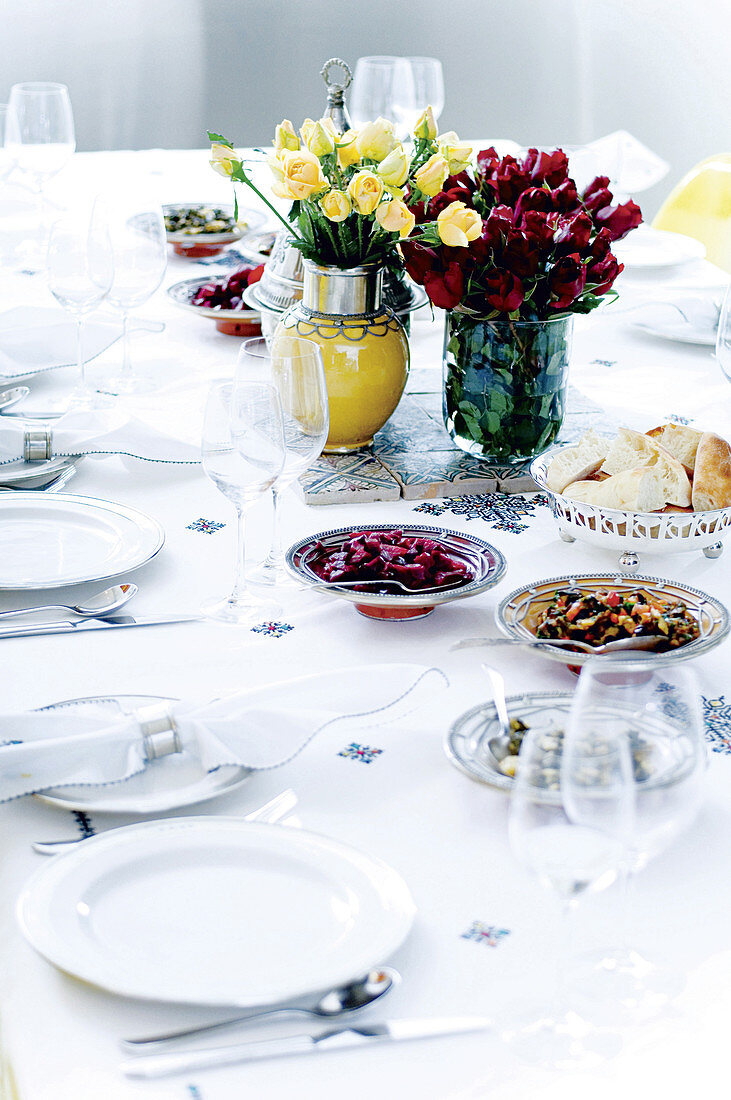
point(647, 248)
point(677, 329)
point(215, 911)
point(54, 541)
point(166, 783)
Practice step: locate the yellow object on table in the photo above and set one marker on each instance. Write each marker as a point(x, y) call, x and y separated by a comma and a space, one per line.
point(700, 207)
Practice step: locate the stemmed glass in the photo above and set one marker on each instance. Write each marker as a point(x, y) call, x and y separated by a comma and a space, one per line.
point(294, 367)
point(40, 140)
point(80, 272)
point(139, 245)
point(382, 87)
point(723, 336)
point(568, 858)
point(656, 713)
point(424, 89)
point(243, 455)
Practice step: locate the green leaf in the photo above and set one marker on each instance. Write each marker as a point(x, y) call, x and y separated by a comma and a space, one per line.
point(221, 140)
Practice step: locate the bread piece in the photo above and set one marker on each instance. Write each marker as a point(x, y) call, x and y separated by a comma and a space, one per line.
point(712, 480)
point(633, 449)
point(575, 463)
point(680, 440)
point(638, 490)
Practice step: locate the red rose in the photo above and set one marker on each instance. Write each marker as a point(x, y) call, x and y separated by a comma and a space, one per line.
point(597, 194)
point(534, 198)
point(497, 225)
point(619, 220)
point(418, 260)
point(520, 256)
point(601, 244)
point(448, 195)
point(539, 226)
point(509, 180)
point(566, 281)
point(487, 161)
point(551, 168)
point(574, 232)
point(445, 288)
point(504, 291)
point(565, 197)
point(601, 275)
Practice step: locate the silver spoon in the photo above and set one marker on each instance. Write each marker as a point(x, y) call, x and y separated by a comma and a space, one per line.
point(346, 998)
point(498, 695)
point(370, 587)
point(104, 603)
point(11, 397)
point(643, 642)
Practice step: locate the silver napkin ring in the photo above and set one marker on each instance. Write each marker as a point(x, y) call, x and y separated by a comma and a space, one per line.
point(37, 445)
point(159, 731)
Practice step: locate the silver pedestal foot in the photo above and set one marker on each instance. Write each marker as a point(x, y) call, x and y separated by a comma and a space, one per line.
point(629, 562)
point(565, 536)
point(713, 551)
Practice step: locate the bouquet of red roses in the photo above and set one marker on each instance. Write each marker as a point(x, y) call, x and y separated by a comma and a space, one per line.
point(517, 239)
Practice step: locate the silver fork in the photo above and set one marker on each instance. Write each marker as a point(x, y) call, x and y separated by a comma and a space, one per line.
point(273, 810)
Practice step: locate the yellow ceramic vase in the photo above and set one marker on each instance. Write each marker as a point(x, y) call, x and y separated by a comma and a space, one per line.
point(364, 349)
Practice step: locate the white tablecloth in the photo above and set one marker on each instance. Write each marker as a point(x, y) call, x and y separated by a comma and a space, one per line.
point(406, 804)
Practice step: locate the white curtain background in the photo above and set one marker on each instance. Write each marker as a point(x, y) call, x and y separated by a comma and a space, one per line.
point(145, 73)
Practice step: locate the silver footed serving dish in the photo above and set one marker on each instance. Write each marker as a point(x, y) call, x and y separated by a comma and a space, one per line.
point(631, 532)
point(517, 617)
point(389, 598)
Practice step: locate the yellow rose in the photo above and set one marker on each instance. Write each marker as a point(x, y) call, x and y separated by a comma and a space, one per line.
point(365, 190)
point(394, 169)
point(285, 137)
point(426, 127)
point(306, 130)
point(457, 225)
point(347, 146)
point(320, 141)
point(330, 127)
point(335, 205)
point(455, 152)
point(395, 217)
point(431, 176)
point(297, 175)
point(376, 140)
point(223, 158)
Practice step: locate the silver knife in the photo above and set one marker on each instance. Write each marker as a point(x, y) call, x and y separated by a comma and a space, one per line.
point(111, 621)
point(336, 1038)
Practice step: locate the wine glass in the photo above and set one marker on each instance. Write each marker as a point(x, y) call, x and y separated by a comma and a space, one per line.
point(568, 858)
point(655, 711)
point(139, 245)
point(383, 87)
point(243, 455)
point(425, 88)
point(80, 271)
point(39, 140)
point(7, 162)
point(294, 367)
point(723, 336)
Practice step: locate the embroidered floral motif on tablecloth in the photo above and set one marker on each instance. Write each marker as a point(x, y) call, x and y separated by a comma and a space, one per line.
point(205, 526)
point(488, 934)
point(364, 753)
point(502, 511)
point(717, 718)
point(84, 822)
point(272, 630)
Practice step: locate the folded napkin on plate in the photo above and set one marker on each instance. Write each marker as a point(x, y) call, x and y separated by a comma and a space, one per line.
point(34, 339)
point(101, 432)
point(259, 729)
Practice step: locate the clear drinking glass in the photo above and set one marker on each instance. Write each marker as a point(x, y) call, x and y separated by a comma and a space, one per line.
point(294, 367)
point(723, 336)
point(567, 858)
point(655, 712)
point(80, 271)
point(139, 245)
point(243, 455)
point(7, 162)
point(39, 140)
point(383, 87)
point(424, 88)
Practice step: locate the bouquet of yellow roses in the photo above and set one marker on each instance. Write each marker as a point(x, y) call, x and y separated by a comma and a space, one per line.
point(351, 193)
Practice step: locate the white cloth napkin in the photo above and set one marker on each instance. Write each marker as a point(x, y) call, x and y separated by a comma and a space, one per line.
point(101, 432)
point(258, 729)
point(35, 339)
point(630, 164)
